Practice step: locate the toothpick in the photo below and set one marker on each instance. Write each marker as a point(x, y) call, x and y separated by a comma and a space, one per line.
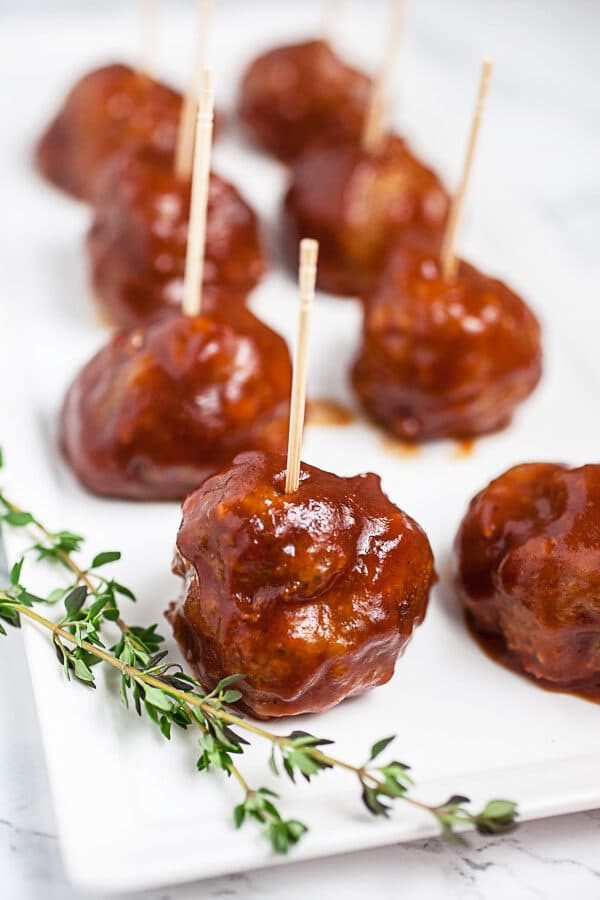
point(184, 151)
point(331, 13)
point(375, 120)
point(148, 30)
point(194, 258)
point(448, 258)
point(307, 274)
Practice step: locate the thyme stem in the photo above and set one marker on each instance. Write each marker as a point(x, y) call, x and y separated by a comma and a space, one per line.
point(207, 707)
point(65, 557)
point(300, 752)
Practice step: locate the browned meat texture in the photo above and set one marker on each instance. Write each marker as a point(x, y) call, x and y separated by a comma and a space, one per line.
point(443, 359)
point(528, 571)
point(137, 242)
point(294, 95)
point(104, 111)
point(358, 206)
point(162, 406)
point(310, 595)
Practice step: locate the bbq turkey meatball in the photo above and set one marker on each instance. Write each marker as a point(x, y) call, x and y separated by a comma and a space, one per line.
point(527, 560)
point(162, 406)
point(107, 109)
point(444, 359)
point(311, 595)
point(294, 95)
point(138, 239)
point(358, 205)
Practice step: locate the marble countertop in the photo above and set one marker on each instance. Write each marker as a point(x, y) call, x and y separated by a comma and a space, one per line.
point(547, 859)
point(546, 100)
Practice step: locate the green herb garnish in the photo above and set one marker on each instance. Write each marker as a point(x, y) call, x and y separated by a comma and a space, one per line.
point(169, 697)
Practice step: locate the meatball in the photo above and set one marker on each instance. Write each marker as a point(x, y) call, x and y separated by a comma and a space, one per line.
point(138, 239)
point(105, 110)
point(162, 406)
point(293, 95)
point(358, 205)
point(444, 359)
point(527, 558)
point(310, 595)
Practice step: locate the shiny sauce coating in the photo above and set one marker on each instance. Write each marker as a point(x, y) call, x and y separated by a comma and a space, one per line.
point(294, 95)
point(138, 239)
point(311, 595)
point(444, 359)
point(162, 406)
point(527, 560)
point(107, 109)
point(359, 205)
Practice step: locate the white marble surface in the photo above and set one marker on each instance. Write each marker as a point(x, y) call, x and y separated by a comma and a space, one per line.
point(546, 129)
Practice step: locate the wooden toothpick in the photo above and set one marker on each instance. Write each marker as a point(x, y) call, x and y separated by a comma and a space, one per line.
point(448, 259)
point(307, 274)
point(194, 258)
point(375, 120)
point(148, 30)
point(184, 150)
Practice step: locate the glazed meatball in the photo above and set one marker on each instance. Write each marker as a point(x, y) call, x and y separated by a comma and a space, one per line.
point(527, 560)
point(310, 595)
point(444, 359)
point(164, 405)
point(358, 205)
point(294, 95)
point(107, 109)
point(138, 239)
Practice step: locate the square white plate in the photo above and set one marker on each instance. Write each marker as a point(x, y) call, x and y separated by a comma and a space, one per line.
point(465, 724)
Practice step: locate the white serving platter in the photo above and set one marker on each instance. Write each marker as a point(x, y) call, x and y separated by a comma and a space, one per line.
point(464, 723)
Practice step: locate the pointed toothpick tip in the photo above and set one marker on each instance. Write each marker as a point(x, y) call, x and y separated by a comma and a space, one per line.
point(448, 258)
point(375, 126)
point(184, 150)
point(307, 276)
point(194, 260)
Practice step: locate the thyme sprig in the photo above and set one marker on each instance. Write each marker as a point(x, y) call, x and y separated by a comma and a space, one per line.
point(170, 697)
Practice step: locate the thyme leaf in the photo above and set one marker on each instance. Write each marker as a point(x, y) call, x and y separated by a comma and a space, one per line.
point(93, 631)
